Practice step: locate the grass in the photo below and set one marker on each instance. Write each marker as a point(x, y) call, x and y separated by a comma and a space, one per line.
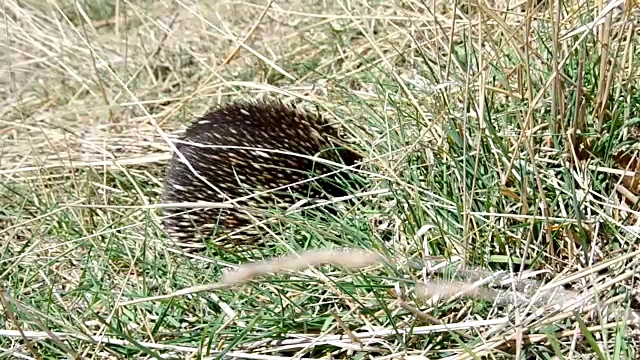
point(496, 140)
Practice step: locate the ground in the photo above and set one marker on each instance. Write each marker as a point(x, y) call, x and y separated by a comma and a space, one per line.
point(499, 215)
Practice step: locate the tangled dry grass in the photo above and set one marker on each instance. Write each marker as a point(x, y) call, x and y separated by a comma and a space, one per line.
point(500, 142)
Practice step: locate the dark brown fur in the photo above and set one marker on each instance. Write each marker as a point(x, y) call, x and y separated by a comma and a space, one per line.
point(242, 172)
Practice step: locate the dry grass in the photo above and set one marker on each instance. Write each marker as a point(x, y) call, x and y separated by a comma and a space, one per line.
point(500, 141)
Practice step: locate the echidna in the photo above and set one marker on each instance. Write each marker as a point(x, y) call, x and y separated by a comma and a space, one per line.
point(229, 147)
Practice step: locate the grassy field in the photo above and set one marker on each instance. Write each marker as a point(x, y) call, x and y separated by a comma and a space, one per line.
point(500, 144)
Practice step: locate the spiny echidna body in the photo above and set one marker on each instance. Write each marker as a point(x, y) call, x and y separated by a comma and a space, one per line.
point(243, 149)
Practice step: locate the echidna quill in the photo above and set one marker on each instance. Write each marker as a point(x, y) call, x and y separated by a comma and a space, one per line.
point(247, 148)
